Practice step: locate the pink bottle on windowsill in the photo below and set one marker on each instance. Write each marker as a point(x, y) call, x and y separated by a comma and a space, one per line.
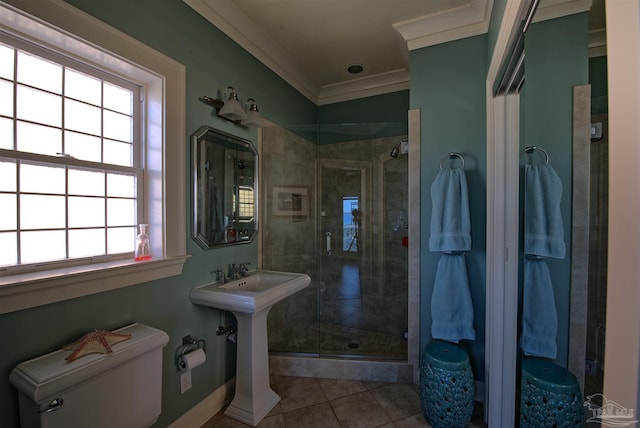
point(143, 251)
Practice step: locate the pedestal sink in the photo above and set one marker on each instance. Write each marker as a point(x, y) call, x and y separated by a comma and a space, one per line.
point(250, 298)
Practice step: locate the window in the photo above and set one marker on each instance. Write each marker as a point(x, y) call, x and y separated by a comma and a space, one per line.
point(79, 150)
point(350, 224)
point(245, 203)
point(70, 159)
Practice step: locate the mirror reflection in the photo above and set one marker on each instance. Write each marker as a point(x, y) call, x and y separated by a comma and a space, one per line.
point(225, 177)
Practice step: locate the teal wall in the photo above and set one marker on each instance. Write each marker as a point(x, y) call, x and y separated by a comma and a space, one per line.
point(556, 61)
point(212, 62)
point(448, 86)
point(360, 119)
point(365, 118)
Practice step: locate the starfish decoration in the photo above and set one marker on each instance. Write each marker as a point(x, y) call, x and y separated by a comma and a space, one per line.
point(97, 341)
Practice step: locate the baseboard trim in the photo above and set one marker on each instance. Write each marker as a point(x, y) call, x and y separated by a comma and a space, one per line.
point(199, 414)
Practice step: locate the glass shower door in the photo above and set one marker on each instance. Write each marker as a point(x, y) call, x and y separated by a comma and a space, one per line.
point(362, 306)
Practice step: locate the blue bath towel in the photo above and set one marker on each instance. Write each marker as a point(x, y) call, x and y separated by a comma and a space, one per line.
point(543, 229)
point(451, 304)
point(539, 318)
point(450, 221)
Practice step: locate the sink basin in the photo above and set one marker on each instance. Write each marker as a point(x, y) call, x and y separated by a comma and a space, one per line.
point(253, 293)
point(250, 298)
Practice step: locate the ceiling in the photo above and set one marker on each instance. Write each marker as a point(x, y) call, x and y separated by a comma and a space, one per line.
point(311, 43)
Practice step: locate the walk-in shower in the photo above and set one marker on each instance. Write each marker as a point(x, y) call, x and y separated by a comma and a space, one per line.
point(351, 238)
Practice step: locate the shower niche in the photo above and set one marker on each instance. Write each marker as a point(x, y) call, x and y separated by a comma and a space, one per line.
point(224, 170)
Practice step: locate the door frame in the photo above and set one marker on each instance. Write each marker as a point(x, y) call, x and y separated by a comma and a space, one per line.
point(503, 113)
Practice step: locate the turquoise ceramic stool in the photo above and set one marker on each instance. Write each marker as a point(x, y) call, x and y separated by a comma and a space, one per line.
point(550, 396)
point(446, 386)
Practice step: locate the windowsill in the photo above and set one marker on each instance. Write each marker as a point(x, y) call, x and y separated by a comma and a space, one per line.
point(29, 290)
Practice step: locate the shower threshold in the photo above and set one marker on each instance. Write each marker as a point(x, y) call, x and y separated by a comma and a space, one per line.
point(359, 367)
point(337, 355)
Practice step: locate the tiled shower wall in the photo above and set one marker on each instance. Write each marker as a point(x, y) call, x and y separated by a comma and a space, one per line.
point(289, 243)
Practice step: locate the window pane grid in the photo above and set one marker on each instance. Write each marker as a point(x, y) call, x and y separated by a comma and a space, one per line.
point(245, 202)
point(77, 129)
point(51, 104)
point(53, 213)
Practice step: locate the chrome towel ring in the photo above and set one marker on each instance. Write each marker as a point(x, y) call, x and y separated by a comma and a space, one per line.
point(451, 156)
point(530, 149)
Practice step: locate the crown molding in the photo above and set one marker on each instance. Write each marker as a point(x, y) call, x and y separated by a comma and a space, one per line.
point(232, 21)
point(463, 21)
point(392, 81)
point(597, 42)
point(470, 19)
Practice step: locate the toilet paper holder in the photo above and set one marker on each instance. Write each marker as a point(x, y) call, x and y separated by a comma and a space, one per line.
point(189, 344)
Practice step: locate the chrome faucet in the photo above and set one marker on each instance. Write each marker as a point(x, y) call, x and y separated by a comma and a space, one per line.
point(233, 272)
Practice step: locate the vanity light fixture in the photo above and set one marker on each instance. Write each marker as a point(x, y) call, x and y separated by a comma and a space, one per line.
point(232, 109)
point(253, 115)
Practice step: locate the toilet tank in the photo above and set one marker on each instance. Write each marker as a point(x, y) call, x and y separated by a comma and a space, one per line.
point(121, 389)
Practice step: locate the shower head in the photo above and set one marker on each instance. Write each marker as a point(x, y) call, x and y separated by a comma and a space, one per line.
point(396, 150)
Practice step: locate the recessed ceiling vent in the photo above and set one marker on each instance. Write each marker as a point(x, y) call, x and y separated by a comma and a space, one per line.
point(355, 68)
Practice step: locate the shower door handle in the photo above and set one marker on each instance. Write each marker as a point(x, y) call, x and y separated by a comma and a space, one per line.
point(328, 243)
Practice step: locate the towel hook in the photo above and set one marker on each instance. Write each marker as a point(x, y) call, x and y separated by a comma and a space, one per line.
point(450, 156)
point(530, 149)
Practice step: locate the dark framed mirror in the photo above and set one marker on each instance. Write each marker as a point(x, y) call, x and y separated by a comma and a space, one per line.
point(225, 177)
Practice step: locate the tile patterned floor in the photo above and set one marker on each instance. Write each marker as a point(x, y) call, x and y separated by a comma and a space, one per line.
point(328, 403)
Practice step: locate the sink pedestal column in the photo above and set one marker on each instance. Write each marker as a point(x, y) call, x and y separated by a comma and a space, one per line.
point(254, 398)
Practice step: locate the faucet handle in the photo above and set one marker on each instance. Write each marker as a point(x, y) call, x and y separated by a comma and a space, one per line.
point(243, 269)
point(219, 275)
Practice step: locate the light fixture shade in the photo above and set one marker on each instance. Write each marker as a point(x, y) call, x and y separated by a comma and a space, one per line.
point(254, 118)
point(232, 109)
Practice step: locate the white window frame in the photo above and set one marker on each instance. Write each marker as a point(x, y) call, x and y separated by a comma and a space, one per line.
point(56, 25)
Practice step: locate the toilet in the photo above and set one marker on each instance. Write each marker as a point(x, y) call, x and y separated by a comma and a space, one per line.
point(120, 389)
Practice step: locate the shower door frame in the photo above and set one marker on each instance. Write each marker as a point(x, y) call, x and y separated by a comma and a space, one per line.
point(383, 221)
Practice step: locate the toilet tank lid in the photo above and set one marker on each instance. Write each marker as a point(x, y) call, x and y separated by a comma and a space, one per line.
point(50, 374)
